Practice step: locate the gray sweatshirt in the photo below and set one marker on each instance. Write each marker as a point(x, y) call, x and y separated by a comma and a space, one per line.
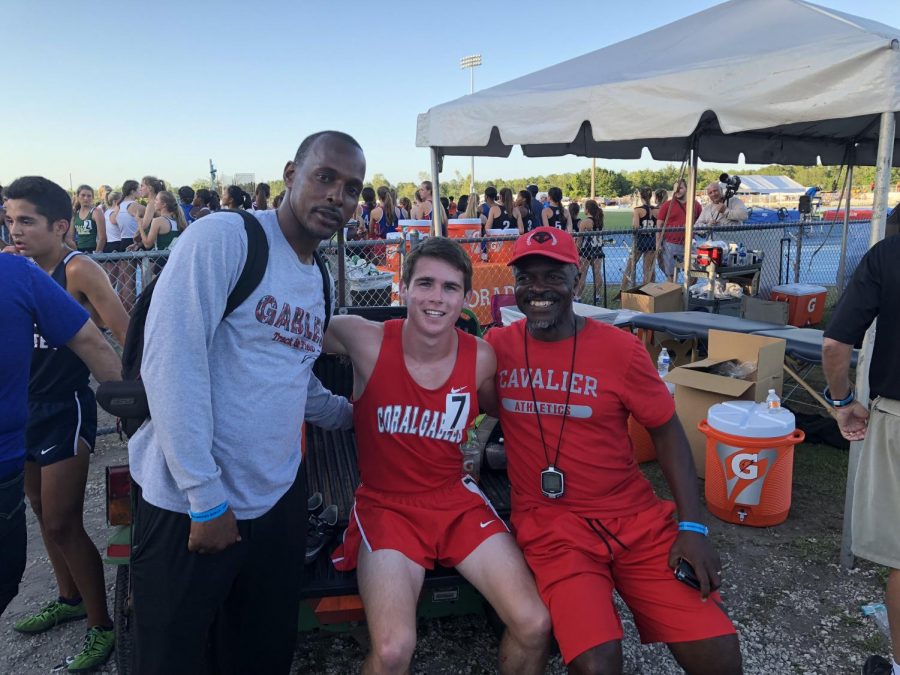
point(227, 398)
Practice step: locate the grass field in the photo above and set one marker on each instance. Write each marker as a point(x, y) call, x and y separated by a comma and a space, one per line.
point(614, 219)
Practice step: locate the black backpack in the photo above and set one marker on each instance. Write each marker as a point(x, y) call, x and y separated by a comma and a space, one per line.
point(127, 399)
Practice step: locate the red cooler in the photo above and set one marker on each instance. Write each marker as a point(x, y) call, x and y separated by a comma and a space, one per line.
point(806, 303)
point(749, 462)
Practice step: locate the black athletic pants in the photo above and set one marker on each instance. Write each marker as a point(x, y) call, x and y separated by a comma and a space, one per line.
point(231, 612)
point(12, 536)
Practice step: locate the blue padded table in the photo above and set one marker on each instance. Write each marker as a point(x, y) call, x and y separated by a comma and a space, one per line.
point(803, 344)
point(696, 325)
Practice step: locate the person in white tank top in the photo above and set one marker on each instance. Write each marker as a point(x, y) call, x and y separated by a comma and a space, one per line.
point(127, 220)
point(113, 231)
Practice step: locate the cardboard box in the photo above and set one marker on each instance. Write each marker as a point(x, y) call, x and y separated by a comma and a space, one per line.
point(697, 390)
point(769, 311)
point(654, 298)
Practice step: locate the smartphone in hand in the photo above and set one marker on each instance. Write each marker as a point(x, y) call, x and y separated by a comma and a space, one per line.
point(684, 572)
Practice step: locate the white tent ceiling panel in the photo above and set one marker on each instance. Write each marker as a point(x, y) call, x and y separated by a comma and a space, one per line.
point(779, 80)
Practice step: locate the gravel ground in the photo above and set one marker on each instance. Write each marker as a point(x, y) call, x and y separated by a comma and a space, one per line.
point(796, 611)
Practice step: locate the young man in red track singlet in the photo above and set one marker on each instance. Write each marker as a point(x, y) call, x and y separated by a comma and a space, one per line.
point(586, 518)
point(415, 390)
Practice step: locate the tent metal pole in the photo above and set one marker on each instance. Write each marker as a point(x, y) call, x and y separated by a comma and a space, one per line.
point(884, 160)
point(689, 214)
point(882, 177)
point(842, 262)
point(436, 209)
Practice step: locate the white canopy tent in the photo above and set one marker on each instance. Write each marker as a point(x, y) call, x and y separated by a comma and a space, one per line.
point(781, 81)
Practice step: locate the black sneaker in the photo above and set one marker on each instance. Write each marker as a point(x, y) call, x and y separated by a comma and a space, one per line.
point(320, 532)
point(877, 665)
point(315, 504)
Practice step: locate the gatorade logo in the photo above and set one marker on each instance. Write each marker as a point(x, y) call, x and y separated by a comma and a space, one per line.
point(743, 465)
point(745, 472)
point(811, 307)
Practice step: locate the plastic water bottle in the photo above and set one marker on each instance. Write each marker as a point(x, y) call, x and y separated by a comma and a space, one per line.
point(742, 255)
point(773, 402)
point(662, 363)
point(878, 611)
point(662, 367)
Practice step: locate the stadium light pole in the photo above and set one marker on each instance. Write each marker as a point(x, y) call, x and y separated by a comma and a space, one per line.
point(471, 62)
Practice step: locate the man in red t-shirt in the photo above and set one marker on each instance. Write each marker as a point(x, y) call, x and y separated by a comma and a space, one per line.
point(582, 512)
point(672, 215)
point(416, 389)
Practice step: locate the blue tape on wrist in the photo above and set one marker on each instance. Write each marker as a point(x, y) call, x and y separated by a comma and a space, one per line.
point(688, 526)
point(212, 513)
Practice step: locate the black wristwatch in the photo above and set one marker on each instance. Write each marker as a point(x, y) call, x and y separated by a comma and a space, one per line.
point(839, 403)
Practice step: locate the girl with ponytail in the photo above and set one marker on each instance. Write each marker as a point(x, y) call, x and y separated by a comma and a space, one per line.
point(235, 198)
point(166, 225)
point(386, 214)
point(591, 244)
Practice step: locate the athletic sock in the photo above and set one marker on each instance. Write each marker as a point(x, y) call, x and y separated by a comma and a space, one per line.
point(70, 603)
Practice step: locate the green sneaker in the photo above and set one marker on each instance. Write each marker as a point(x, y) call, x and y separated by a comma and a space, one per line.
point(52, 614)
point(98, 645)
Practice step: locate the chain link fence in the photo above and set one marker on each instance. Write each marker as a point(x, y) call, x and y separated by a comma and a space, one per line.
point(367, 272)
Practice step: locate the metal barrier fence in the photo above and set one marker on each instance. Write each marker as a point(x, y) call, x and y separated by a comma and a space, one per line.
point(367, 272)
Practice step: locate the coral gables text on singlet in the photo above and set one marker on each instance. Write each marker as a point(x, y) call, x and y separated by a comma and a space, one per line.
point(408, 436)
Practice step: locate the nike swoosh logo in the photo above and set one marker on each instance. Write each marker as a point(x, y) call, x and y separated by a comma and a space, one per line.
point(484, 525)
point(46, 450)
point(456, 390)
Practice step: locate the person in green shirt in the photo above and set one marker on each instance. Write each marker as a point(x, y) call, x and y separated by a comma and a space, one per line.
point(88, 222)
point(166, 225)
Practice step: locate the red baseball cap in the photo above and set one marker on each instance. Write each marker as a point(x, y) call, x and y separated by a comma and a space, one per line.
point(549, 242)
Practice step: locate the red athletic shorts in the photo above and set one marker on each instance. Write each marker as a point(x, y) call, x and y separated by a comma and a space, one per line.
point(442, 526)
point(577, 564)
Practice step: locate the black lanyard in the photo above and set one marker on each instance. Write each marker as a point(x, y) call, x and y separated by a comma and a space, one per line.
point(565, 415)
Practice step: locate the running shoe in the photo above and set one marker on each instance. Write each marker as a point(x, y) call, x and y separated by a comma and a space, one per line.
point(52, 614)
point(98, 645)
point(877, 665)
point(315, 504)
point(321, 530)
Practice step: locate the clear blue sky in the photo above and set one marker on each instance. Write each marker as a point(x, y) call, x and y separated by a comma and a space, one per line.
point(113, 90)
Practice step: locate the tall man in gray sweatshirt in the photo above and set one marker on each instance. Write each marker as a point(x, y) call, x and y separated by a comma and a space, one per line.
point(220, 515)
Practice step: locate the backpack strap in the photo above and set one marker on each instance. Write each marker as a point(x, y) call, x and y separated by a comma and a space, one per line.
point(254, 266)
point(326, 286)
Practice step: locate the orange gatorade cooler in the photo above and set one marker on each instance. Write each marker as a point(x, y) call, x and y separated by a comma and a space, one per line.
point(806, 303)
point(393, 244)
point(468, 228)
point(501, 250)
point(423, 227)
point(749, 462)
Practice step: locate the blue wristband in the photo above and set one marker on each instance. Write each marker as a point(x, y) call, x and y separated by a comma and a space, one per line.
point(212, 513)
point(688, 526)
